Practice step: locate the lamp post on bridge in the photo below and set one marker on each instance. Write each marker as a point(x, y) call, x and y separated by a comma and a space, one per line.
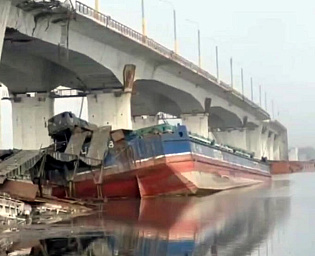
point(216, 56)
point(144, 28)
point(175, 24)
point(242, 80)
point(231, 69)
point(199, 40)
point(273, 110)
point(251, 89)
point(217, 63)
point(97, 5)
point(260, 96)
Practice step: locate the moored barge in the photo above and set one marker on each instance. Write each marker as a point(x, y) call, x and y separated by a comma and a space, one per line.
point(161, 160)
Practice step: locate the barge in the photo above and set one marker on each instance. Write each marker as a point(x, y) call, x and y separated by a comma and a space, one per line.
point(162, 160)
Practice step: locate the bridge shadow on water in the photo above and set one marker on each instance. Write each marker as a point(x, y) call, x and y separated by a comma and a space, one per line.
point(235, 222)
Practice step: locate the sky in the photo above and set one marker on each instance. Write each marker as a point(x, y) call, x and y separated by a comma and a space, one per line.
point(273, 41)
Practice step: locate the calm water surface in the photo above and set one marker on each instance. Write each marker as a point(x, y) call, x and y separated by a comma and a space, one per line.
point(273, 219)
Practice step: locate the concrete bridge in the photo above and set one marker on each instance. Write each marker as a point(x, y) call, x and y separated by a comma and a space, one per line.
point(47, 44)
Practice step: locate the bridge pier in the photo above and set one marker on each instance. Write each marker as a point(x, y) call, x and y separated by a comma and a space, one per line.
point(283, 146)
point(112, 109)
point(139, 122)
point(270, 145)
point(5, 6)
point(256, 139)
point(234, 138)
point(197, 123)
point(276, 148)
point(30, 120)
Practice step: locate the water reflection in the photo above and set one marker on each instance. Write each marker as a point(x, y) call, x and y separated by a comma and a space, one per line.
point(235, 222)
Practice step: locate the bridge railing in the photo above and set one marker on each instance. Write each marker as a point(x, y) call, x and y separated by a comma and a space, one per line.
point(153, 45)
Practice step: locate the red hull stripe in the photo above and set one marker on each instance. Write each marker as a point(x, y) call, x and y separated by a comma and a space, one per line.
point(165, 175)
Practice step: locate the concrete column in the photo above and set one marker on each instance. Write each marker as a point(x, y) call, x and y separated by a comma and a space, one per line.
point(110, 109)
point(2, 125)
point(264, 143)
point(139, 122)
point(276, 148)
point(253, 140)
point(256, 140)
point(5, 119)
point(197, 123)
point(30, 119)
point(270, 145)
point(283, 145)
point(236, 138)
point(5, 6)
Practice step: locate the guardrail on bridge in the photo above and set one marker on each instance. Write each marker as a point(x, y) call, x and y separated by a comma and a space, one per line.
point(153, 45)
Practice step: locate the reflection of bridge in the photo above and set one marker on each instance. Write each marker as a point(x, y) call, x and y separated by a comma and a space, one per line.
point(226, 224)
point(47, 44)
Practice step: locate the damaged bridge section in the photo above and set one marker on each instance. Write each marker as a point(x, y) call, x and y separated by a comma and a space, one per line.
point(18, 164)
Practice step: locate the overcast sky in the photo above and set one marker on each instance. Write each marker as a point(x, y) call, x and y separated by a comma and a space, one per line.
point(274, 41)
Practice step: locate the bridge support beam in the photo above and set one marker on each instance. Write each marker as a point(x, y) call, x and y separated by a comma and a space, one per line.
point(139, 122)
point(5, 6)
point(110, 109)
point(197, 123)
point(234, 138)
point(30, 120)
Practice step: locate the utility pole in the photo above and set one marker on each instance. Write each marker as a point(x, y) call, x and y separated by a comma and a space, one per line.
point(199, 48)
point(175, 24)
point(175, 31)
point(260, 95)
point(144, 29)
point(199, 39)
point(217, 63)
point(231, 66)
point(273, 111)
point(252, 89)
point(242, 78)
point(97, 5)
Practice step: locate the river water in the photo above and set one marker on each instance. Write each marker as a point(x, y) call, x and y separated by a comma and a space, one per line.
point(270, 219)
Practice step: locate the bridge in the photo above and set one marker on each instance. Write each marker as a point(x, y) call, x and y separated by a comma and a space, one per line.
point(124, 75)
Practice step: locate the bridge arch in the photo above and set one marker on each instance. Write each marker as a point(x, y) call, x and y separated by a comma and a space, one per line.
point(220, 118)
point(154, 96)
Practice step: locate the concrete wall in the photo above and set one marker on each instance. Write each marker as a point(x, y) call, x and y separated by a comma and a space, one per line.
point(30, 120)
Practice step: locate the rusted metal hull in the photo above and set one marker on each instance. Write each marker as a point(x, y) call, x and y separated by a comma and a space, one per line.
point(20, 189)
point(162, 161)
point(287, 167)
point(171, 175)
